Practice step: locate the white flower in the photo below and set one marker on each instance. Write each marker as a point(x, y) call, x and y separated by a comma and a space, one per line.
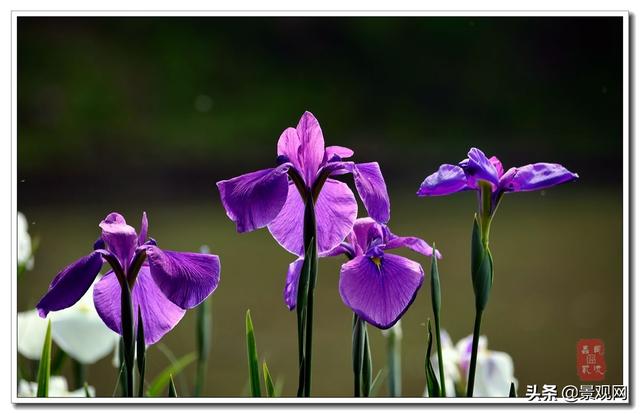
point(494, 370)
point(77, 330)
point(25, 255)
point(31, 331)
point(57, 388)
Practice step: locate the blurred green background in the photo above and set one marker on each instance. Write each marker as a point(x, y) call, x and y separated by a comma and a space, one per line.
point(133, 114)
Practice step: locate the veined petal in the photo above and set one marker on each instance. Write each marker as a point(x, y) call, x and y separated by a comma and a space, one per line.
point(447, 180)
point(380, 294)
point(414, 243)
point(253, 200)
point(186, 279)
point(362, 231)
point(372, 190)
point(121, 238)
point(291, 285)
point(311, 150)
point(537, 177)
point(70, 284)
point(336, 210)
point(289, 145)
point(159, 314)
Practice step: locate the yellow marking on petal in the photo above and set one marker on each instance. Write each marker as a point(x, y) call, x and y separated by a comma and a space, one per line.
point(377, 261)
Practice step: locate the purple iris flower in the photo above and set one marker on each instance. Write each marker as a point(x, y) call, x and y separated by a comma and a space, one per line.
point(275, 197)
point(378, 286)
point(477, 167)
point(163, 283)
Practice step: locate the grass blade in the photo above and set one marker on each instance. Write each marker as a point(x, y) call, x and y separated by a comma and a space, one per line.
point(432, 381)
point(172, 388)
point(160, 382)
point(44, 368)
point(436, 304)
point(268, 382)
point(252, 357)
point(203, 342)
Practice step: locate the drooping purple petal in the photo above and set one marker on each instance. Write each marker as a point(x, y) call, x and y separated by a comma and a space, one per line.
point(121, 238)
point(537, 177)
point(336, 210)
point(380, 294)
point(144, 227)
point(311, 151)
point(186, 279)
point(479, 167)
point(447, 180)
point(159, 314)
point(414, 243)
point(372, 190)
point(70, 284)
point(255, 199)
point(291, 285)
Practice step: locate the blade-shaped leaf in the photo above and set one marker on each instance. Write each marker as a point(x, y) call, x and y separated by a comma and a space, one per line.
point(172, 388)
point(512, 391)
point(87, 394)
point(252, 358)
point(44, 368)
point(268, 382)
point(366, 364)
point(436, 304)
point(432, 382)
point(203, 342)
point(481, 267)
point(141, 354)
point(161, 381)
point(377, 382)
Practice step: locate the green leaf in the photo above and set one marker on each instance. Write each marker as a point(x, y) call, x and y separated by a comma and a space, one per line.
point(436, 304)
point(203, 342)
point(172, 388)
point(377, 382)
point(481, 267)
point(126, 311)
point(357, 353)
point(512, 391)
point(87, 394)
point(432, 382)
point(141, 354)
point(161, 381)
point(268, 382)
point(366, 363)
point(252, 358)
point(44, 368)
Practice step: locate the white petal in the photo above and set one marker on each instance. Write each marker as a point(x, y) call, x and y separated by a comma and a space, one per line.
point(24, 242)
point(31, 332)
point(494, 374)
point(81, 333)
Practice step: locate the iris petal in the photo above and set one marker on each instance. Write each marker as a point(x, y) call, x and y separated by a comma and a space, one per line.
point(159, 314)
point(537, 177)
point(311, 151)
point(70, 284)
point(121, 238)
point(290, 292)
point(447, 180)
point(414, 243)
point(336, 210)
point(380, 294)
point(372, 190)
point(186, 279)
point(255, 199)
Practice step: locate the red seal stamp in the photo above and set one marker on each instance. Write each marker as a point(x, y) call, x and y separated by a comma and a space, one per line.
point(590, 361)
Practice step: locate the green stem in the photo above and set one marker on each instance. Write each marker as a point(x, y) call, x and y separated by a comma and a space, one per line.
point(357, 353)
point(394, 341)
point(79, 373)
point(474, 354)
point(126, 308)
point(203, 336)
